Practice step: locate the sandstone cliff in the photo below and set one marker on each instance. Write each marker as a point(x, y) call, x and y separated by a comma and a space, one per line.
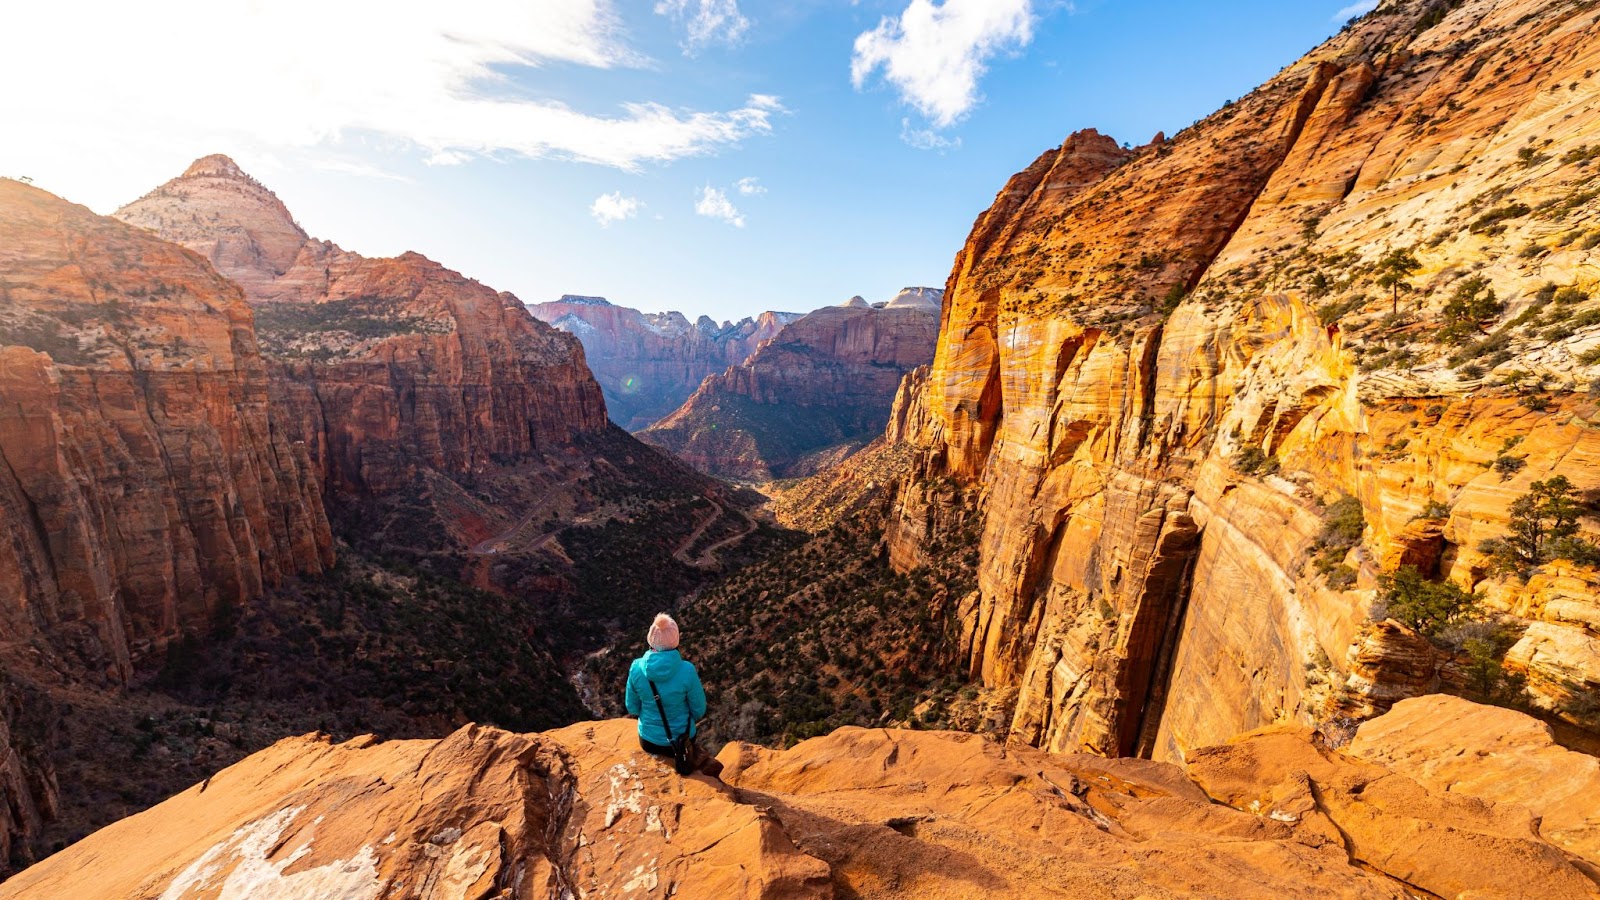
point(649, 363)
point(145, 484)
point(146, 481)
point(384, 367)
point(822, 388)
point(1158, 370)
point(581, 812)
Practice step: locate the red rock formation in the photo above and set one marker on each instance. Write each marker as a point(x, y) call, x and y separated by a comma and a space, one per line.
point(146, 483)
point(648, 364)
point(1123, 326)
point(825, 386)
point(868, 813)
point(384, 366)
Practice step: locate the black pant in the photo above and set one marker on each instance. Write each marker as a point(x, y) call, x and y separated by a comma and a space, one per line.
point(657, 749)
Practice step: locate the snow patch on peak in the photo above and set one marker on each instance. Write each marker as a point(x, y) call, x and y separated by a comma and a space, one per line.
point(581, 300)
point(856, 302)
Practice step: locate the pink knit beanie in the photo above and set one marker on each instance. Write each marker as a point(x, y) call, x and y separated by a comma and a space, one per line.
point(663, 633)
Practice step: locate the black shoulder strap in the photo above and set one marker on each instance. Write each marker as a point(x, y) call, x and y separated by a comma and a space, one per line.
point(661, 708)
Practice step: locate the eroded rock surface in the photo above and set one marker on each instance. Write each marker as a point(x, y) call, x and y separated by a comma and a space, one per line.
point(1158, 369)
point(869, 813)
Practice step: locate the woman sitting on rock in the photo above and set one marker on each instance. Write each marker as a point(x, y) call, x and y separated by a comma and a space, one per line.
point(664, 692)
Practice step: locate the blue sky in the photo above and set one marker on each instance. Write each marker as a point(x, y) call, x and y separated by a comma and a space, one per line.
point(599, 147)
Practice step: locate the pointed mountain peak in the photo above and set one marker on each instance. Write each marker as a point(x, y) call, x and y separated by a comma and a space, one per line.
point(217, 210)
point(216, 164)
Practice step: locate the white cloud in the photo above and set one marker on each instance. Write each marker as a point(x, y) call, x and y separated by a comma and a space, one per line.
point(1360, 8)
point(714, 204)
point(750, 186)
point(614, 207)
point(148, 92)
point(926, 138)
point(934, 54)
point(706, 21)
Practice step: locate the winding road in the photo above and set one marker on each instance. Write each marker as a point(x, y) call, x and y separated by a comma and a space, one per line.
point(493, 545)
point(707, 557)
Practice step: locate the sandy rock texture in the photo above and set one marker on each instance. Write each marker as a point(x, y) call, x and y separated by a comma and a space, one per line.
point(869, 813)
point(821, 389)
point(1123, 327)
point(649, 363)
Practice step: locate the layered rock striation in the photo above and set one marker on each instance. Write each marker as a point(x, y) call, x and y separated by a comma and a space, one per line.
point(822, 388)
point(147, 483)
point(649, 363)
point(868, 813)
point(385, 367)
point(1160, 369)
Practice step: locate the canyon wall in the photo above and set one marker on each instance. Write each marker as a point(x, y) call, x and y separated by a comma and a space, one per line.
point(649, 363)
point(822, 388)
point(146, 482)
point(145, 485)
point(384, 367)
point(1158, 369)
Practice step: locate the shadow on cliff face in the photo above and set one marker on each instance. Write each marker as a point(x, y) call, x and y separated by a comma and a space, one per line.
point(855, 851)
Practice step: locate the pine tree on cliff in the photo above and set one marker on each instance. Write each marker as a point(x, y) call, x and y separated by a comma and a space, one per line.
point(1394, 268)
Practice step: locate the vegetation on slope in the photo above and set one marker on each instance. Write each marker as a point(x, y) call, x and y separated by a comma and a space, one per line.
point(824, 633)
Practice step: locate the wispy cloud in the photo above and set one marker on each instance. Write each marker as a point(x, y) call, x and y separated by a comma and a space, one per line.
point(417, 76)
point(750, 187)
point(614, 207)
point(935, 53)
point(1355, 9)
point(706, 22)
point(714, 204)
point(345, 166)
point(926, 138)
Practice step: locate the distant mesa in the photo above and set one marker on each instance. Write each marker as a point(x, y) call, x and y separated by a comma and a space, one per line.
point(820, 389)
point(649, 363)
point(581, 300)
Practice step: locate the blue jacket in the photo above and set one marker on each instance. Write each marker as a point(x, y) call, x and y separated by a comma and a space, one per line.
point(681, 694)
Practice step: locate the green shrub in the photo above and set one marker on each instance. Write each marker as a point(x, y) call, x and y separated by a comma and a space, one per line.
point(1434, 510)
point(1494, 218)
point(1543, 521)
point(1427, 607)
point(1472, 303)
point(1508, 465)
point(1343, 523)
point(1255, 461)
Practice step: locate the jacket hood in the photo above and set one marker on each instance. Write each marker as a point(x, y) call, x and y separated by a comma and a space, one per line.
point(661, 665)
